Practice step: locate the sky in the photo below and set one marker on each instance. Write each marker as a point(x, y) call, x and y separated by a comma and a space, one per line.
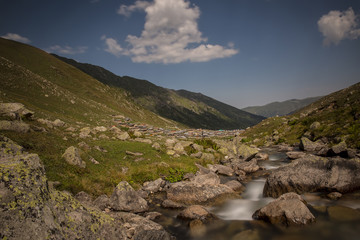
point(241, 52)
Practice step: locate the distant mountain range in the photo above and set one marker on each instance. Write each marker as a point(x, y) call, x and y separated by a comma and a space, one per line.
point(280, 108)
point(194, 110)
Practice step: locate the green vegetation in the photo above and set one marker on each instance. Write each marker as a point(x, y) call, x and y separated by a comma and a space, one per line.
point(207, 143)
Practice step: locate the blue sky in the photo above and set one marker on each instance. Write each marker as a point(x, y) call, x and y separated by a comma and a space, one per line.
point(242, 52)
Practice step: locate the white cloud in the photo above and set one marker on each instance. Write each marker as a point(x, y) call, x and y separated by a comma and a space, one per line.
point(127, 10)
point(16, 37)
point(67, 49)
point(336, 26)
point(112, 46)
point(170, 35)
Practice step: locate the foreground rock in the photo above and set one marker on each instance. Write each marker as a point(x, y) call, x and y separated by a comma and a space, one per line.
point(313, 174)
point(203, 189)
point(288, 210)
point(125, 198)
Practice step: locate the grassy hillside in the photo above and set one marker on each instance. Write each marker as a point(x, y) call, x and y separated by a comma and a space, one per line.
point(337, 113)
point(191, 109)
point(280, 108)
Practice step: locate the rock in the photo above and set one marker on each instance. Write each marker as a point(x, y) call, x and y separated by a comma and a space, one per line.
point(343, 214)
point(58, 123)
point(31, 210)
point(197, 147)
point(100, 129)
point(84, 146)
point(100, 149)
point(207, 179)
point(169, 143)
point(241, 175)
point(137, 134)
point(178, 148)
point(115, 130)
point(196, 212)
point(245, 152)
point(285, 148)
point(295, 155)
point(315, 125)
point(102, 202)
point(70, 129)
point(236, 186)
point(123, 136)
point(84, 198)
point(196, 155)
point(93, 161)
point(15, 111)
point(125, 198)
point(85, 132)
point(103, 136)
point(339, 149)
point(72, 156)
point(247, 167)
point(289, 209)
point(171, 204)
point(154, 186)
point(262, 156)
point(334, 195)
point(310, 146)
point(140, 228)
point(152, 215)
point(143, 140)
point(170, 152)
point(15, 126)
point(313, 174)
point(156, 146)
point(133, 153)
point(208, 157)
point(221, 169)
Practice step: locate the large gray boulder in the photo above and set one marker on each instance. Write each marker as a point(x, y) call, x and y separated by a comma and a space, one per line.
point(125, 198)
point(154, 186)
point(72, 156)
point(314, 174)
point(289, 209)
point(314, 147)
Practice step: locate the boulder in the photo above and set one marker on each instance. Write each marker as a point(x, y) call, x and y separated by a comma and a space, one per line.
point(196, 212)
point(15, 126)
point(100, 129)
point(196, 155)
point(143, 140)
point(156, 146)
point(295, 155)
point(137, 134)
point(178, 148)
point(235, 185)
point(314, 147)
point(15, 111)
point(171, 204)
point(122, 136)
point(289, 210)
point(84, 198)
point(197, 147)
point(170, 142)
point(339, 149)
point(208, 157)
point(58, 123)
point(154, 186)
point(72, 156)
point(262, 156)
point(102, 202)
point(247, 167)
point(314, 174)
point(85, 132)
point(334, 195)
point(315, 125)
point(125, 198)
point(221, 169)
point(207, 179)
point(245, 152)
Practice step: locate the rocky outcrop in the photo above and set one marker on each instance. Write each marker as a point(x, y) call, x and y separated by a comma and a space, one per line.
point(31, 210)
point(313, 147)
point(245, 152)
point(314, 174)
point(15, 126)
point(125, 198)
point(72, 156)
point(289, 209)
point(15, 111)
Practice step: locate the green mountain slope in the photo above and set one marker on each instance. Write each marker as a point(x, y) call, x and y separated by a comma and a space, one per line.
point(338, 115)
point(54, 89)
point(280, 108)
point(191, 109)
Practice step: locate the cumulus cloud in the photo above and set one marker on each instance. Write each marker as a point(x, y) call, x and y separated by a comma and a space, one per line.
point(336, 26)
point(170, 35)
point(16, 37)
point(127, 10)
point(67, 49)
point(112, 46)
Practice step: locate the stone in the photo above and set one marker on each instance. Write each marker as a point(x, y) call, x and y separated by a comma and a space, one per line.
point(208, 157)
point(334, 195)
point(247, 167)
point(84, 146)
point(156, 146)
point(15, 111)
point(315, 125)
point(152, 215)
point(100, 129)
point(85, 132)
point(58, 123)
point(123, 136)
point(289, 210)
point(197, 147)
point(170, 152)
point(143, 140)
point(137, 134)
point(178, 148)
point(137, 154)
point(102, 202)
point(262, 156)
point(245, 152)
point(196, 212)
point(196, 155)
point(221, 169)
point(295, 155)
point(84, 198)
point(236, 186)
point(314, 174)
point(72, 156)
point(207, 179)
point(93, 161)
point(340, 149)
point(171, 204)
point(125, 198)
point(154, 186)
point(310, 146)
point(170, 142)
point(15, 126)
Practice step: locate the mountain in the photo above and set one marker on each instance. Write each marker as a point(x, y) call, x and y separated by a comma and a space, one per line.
point(54, 89)
point(335, 117)
point(280, 108)
point(191, 109)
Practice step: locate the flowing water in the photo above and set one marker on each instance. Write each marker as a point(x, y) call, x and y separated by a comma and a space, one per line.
point(236, 215)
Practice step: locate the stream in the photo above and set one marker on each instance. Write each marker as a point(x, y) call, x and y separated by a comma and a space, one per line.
point(235, 215)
